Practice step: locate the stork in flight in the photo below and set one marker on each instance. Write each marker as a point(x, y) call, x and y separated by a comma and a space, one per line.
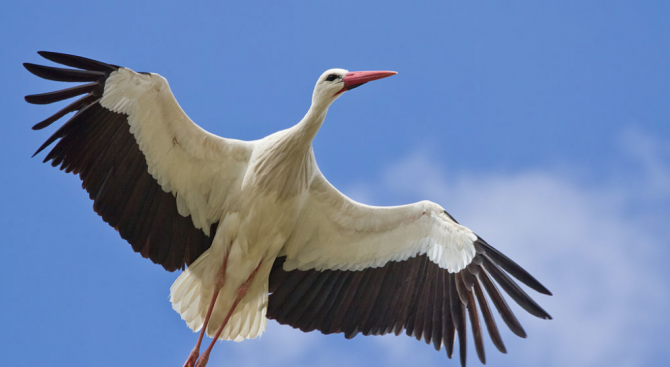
point(261, 232)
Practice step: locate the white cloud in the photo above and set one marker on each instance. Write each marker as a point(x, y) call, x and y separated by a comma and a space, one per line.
point(581, 241)
point(652, 157)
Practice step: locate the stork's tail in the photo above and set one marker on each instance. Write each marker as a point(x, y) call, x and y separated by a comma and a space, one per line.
point(192, 292)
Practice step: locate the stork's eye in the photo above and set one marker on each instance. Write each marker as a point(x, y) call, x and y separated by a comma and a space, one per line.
point(332, 77)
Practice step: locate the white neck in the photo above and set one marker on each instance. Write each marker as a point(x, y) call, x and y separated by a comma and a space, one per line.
point(304, 131)
point(287, 165)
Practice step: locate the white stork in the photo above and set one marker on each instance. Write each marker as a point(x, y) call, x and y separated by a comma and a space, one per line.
point(261, 232)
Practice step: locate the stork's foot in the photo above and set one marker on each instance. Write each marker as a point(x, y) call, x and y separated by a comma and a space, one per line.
point(192, 358)
point(202, 362)
point(241, 292)
point(218, 284)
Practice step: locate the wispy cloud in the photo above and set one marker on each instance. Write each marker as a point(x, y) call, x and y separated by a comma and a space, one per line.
point(651, 162)
point(592, 245)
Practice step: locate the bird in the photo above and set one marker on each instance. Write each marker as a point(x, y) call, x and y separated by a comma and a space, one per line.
point(258, 231)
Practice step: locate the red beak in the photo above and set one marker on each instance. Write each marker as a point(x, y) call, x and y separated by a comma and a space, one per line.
point(357, 78)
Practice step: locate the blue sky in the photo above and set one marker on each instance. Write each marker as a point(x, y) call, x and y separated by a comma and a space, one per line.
point(544, 127)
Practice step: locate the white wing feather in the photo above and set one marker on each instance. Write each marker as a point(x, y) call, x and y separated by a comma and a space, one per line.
point(338, 233)
point(199, 168)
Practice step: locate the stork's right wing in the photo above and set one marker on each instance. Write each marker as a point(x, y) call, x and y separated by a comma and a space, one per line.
point(354, 268)
point(153, 174)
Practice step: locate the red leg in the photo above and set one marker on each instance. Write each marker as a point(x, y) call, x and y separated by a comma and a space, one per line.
point(202, 362)
point(218, 284)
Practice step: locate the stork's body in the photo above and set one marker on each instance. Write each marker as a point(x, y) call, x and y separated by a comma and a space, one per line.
point(253, 231)
point(263, 233)
point(262, 214)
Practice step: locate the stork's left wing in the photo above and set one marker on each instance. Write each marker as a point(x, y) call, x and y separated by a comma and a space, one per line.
point(355, 268)
point(153, 174)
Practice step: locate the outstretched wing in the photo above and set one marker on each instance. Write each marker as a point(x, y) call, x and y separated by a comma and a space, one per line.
point(355, 269)
point(153, 174)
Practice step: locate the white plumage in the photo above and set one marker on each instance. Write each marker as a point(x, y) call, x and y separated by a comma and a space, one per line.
point(250, 218)
point(196, 166)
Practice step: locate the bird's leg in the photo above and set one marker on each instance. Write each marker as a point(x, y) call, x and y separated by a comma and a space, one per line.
point(202, 362)
point(218, 284)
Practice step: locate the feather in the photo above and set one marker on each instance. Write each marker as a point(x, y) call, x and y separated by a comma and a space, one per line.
point(514, 291)
point(488, 318)
point(476, 328)
point(498, 301)
point(59, 95)
point(77, 61)
point(63, 75)
point(510, 266)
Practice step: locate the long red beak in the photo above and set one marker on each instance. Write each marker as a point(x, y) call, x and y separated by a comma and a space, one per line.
point(357, 78)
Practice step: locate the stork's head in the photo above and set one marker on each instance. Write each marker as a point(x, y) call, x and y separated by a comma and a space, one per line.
point(334, 82)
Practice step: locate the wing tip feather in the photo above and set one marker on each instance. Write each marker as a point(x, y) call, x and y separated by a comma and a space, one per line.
point(510, 266)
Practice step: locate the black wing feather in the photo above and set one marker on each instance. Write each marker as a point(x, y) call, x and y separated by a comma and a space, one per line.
point(510, 266)
point(414, 295)
point(78, 61)
point(60, 95)
point(490, 322)
point(63, 75)
point(514, 290)
point(458, 315)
